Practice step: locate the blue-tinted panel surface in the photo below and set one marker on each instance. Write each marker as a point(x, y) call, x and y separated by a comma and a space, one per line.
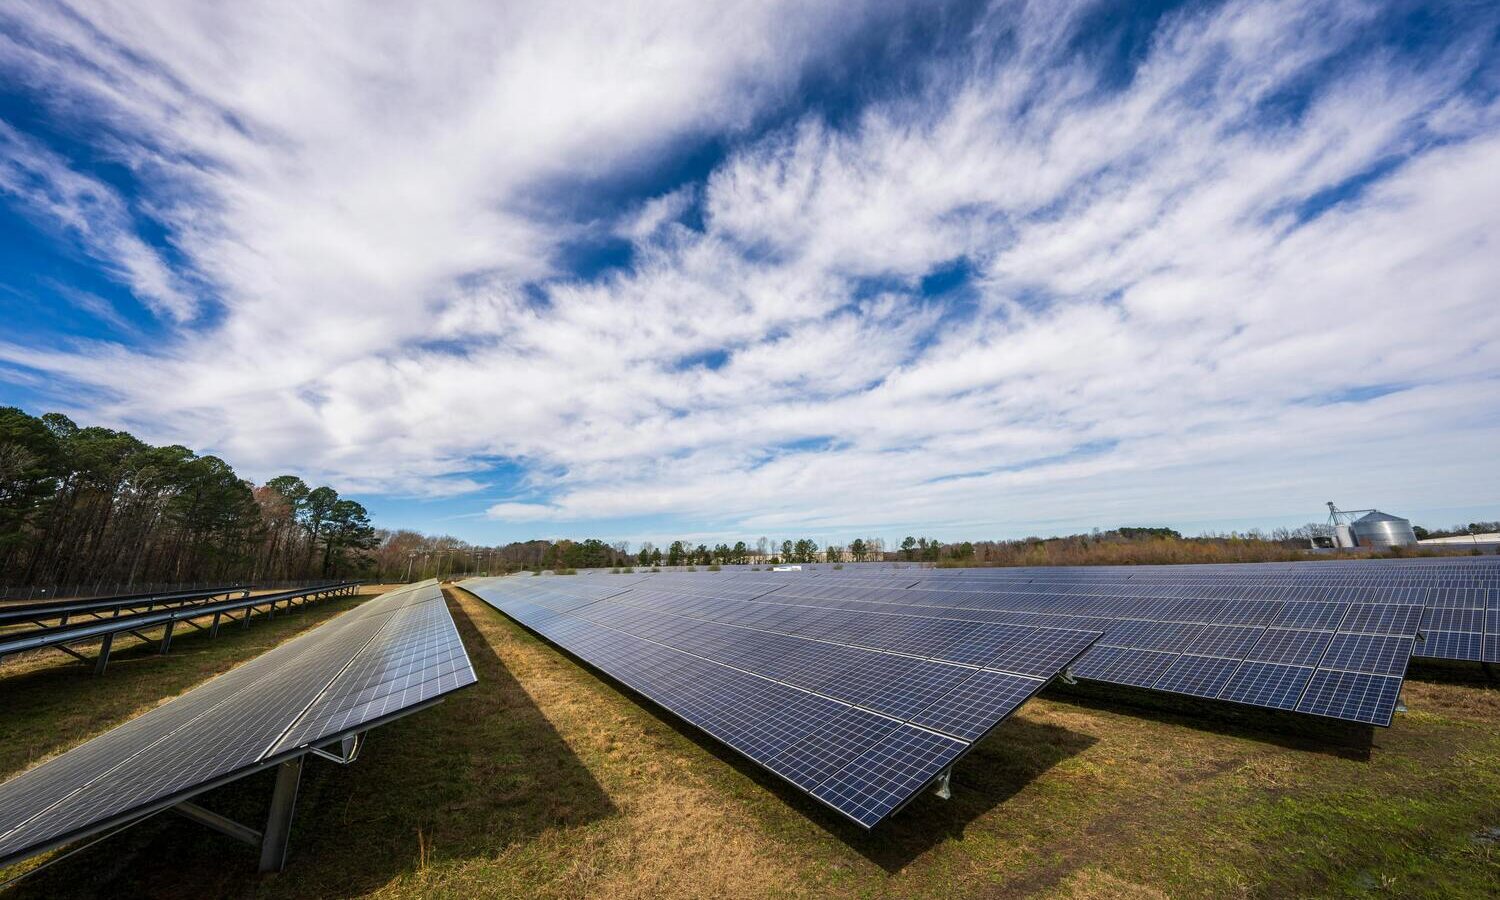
point(1352, 695)
point(1271, 685)
point(1199, 676)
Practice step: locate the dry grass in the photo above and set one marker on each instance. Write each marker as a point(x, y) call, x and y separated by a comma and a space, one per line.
point(545, 781)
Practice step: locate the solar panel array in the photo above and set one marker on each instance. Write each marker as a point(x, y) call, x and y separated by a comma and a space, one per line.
point(378, 661)
point(858, 709)
point(1328, 639)
point(1323, 639)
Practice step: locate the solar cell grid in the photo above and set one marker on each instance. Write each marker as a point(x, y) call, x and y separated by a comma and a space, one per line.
point(1198, 676)
point(1377, 618)
point(1375, 654)
point(1228, 641)
point(1462, 645)
point(1291, 646)
point(1352, 696)
point(886, 776)
point(1271, 685)
point(1118, 665)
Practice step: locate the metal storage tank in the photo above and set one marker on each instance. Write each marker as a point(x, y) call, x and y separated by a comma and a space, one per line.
point(1377, 529)
point(1342, 536)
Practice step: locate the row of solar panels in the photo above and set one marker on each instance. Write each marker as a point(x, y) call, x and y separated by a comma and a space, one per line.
point(858, 727)
point(1455, 623)
point(1339, 658)
point(1342, 663)
point(104, 629)
point(382, 660)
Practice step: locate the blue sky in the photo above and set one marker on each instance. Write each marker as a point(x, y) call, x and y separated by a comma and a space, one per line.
point(742, 269)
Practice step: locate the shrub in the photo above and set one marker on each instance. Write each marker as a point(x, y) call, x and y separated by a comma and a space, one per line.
point(714, 568)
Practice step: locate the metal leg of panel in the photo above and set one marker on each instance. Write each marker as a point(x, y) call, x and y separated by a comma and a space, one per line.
point(279, 822)
point(1401, 703)
point(944, 787)
point(166, 636)
point(213, 630)
point(103, 659)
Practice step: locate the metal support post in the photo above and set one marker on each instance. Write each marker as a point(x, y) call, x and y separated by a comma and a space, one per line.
point(166, 636)
point(214, 630)
point(103, 659)
point(279, 821)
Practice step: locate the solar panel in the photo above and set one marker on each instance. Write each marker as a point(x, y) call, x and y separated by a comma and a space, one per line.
point(860, 708)
point(1214, 611)
point(376, 662)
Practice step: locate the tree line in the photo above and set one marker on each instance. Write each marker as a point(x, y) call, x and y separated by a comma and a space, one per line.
point(87, 506)
point(84, 506)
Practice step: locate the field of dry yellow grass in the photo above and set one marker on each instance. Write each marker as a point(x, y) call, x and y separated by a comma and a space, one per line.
point(545, 781)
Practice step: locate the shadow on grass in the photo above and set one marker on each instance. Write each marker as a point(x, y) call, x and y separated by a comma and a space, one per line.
point(1445, 671)
point(1016, 753)
point(1294, 731)
point(480, 772)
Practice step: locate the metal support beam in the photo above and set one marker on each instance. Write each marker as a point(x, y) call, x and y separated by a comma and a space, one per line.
point(1066, 677)
point(348, 749)
point(1401, 703)
point(73, 653)
point(214, 631)
point(103, 659)
point(166, 636)
point(279, 820)
point(222, 824)
point(944, 788)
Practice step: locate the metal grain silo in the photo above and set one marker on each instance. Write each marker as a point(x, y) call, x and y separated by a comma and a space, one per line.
point(1377, 529)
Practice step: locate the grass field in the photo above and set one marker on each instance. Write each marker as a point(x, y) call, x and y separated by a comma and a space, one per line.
point(545, 781)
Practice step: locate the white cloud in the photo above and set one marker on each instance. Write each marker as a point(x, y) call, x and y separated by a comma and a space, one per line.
point(1154, 332)
point(91, 213)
